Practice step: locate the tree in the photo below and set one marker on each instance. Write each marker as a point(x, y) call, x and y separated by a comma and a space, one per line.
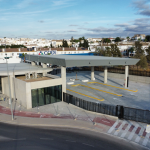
point(106, 40)
point(130, 50)
point(115, 51)
point(23, 56)
point(99, 52)
point(108, 52)
point(128, 38)
point(117, 39)
point(83, 42)
point(51, 45)
point(64, 43)
point(148, 38)
point(139, 53)
point(143, 62)
point(148, 53)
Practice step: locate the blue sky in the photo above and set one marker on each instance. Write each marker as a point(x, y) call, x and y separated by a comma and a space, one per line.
point(61, 19)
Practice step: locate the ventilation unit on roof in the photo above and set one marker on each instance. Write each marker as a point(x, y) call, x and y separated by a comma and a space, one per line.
point(27, 76)
point(34, 75)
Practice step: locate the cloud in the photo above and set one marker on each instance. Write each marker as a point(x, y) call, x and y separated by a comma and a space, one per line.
point(142, 7)
point(73, 25)
point(71, 31)
point(41, 21)
point(101, 29)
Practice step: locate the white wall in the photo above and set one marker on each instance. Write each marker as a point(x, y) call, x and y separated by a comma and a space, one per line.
point(21, 93)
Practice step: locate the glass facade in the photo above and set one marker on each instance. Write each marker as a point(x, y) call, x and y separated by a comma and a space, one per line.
point(46, 95)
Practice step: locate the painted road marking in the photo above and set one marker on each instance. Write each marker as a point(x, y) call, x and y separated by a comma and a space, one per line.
point(97, 89)
point(146, 139)
point(139, 136)
point(45, 139)
point(117, 131)
point(113, 127)
point(113, 86)
point(133, 132)
point(88, 144)
point(85, 95)
point(125, 131)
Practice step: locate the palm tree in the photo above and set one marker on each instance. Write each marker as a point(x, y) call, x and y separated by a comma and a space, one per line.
point(23, 56)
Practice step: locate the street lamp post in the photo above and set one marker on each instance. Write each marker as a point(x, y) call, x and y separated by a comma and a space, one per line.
point(9, 86)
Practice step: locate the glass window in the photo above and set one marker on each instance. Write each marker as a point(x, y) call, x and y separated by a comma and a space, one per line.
point(46, 95)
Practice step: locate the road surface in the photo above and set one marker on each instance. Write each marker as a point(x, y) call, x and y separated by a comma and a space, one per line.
point(14, 137)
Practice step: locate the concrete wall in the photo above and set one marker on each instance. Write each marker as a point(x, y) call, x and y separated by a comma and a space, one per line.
point(5, 86)
point(131, 77)
point(21, 93)
point(46, 83)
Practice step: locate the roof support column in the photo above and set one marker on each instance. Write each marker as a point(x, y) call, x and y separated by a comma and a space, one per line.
point(126, 75)
point(105, 75)
point(44, 65)
point(63, 76)
point(33, 63)
point(92, 73)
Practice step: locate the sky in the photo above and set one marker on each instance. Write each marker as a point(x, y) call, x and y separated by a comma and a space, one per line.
point(62, 19)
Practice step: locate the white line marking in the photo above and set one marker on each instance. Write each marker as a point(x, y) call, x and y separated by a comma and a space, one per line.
point(120, 128)
point(146, 139)
point(45, 139)
point(138, 136)
point(125, 131)
point(105, 121)
point(88, 144)
point(70, 141)
point(20, 139)
point(113, 127)
point(133, 132)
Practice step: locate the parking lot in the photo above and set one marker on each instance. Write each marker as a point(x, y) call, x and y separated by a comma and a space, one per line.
point(136, 96)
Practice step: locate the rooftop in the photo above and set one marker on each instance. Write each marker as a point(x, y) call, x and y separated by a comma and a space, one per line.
point(20, 68)
point(23, 78)
point(73, 60)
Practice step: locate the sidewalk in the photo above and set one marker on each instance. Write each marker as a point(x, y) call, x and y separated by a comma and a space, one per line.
point(54, 112)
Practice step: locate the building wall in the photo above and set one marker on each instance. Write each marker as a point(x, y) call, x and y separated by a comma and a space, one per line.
point(21, 92)
point(46, 83)
point(5, 86)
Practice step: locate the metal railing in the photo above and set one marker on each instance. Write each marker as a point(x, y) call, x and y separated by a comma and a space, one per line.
point(118, 111)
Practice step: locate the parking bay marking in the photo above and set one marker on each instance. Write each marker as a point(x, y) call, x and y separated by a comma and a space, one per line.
point(97, 89)
point(113, 86)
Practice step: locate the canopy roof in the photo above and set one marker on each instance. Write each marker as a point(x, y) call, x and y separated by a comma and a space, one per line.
point(73, 60)
point(20, 68)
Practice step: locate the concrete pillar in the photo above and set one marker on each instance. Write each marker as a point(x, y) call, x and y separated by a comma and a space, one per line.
point(63, 76)
point(126, 75)
point(105, 75)
point(44, 65)
point(28, 96)
point(33, 63)
point(92, 73)
point(44, 74)
point(2, 80)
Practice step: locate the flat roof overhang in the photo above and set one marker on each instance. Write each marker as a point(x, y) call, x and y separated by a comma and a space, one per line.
point(21, 68)
point(72, 60)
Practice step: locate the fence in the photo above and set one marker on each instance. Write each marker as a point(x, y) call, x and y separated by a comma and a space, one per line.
point(118, 111)
point(110, 69)
point(55, 71)
point(122, 71)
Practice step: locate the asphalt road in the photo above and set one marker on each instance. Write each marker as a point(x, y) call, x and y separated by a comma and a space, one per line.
point(30, 138)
